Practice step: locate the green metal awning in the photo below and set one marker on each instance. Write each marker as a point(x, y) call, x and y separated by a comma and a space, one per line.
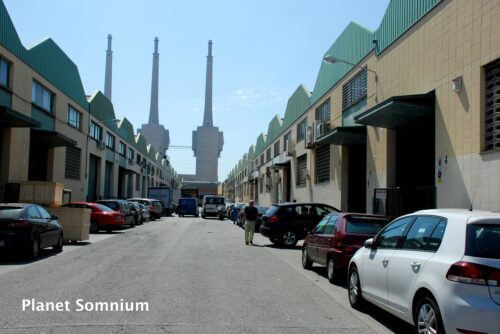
point(52, 138)
point(344, 135)
point(398, 111)
point(9, 118)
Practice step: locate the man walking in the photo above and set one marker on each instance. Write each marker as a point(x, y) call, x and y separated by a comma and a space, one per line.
point(251, 215)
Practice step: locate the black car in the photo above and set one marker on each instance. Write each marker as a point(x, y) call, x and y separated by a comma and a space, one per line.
point(287, 223)
point(29, 228)
point(120, 205)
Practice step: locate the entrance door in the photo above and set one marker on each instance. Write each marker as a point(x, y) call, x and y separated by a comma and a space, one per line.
point(92, 192)
point(108, 172)
point(37, 170)
point(415, 151)
point(356, 193)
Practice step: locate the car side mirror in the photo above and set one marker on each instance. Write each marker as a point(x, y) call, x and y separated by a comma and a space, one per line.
point(368, 243)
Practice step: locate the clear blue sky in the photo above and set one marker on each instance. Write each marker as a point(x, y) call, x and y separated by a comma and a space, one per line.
point(263, 50)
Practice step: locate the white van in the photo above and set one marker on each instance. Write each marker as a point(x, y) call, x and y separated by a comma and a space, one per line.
point(211, 205)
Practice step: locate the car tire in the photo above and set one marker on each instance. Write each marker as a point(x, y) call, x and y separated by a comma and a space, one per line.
point(331, 273)
point(94, 227)
point(427, 316)
point(34, 250)
point(306, 261)
point(203, 216)
point(59, 246)
point(289, 239)
point(354, 289)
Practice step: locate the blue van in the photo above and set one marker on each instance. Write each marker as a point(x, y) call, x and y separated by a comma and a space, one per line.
point(188, 206)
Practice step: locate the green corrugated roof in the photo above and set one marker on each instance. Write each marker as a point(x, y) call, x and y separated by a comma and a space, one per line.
point(261, 144)
point(140, 144)
point(297, 104)
point(251, 153)
point(46, 58)
point(353, 44)
point(274, 129)
point(102, 108)
point(399, 16)
point(126, 131)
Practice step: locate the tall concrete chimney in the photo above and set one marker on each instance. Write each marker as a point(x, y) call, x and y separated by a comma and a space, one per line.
point(153, 111)
point(108, 77)
point(207, 115)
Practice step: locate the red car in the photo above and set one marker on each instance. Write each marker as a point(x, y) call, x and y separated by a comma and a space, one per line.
point(101, 217)
point(337, 237)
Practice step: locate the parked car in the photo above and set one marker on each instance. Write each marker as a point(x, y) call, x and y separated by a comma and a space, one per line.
point(261, 211)
point(235, 211)
point(212, 205)
point(136, 209)
point(101, 216)
point(287, 223)
point(241, 216)
point(188, 206)
point(29, 228)
point(122, 206)
point(438, 270)
point(155, 207)
point(336, 238)
point(145, 212)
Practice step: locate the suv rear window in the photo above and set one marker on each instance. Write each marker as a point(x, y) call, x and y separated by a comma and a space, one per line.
point(363, 225)
point(483, 240)
point(272, 210)
point(9, 212)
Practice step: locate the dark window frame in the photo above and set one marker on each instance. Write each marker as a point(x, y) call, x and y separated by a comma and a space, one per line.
point(301, 171)
point(74, 117)
point(301, 130)
point(355, 90)
point(322, 164)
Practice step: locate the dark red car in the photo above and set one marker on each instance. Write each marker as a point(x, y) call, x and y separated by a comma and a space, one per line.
point(337, 237)
point(101, 217)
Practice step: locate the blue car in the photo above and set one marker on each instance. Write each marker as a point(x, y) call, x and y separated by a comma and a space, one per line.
point(235, 211)
point(188, 206)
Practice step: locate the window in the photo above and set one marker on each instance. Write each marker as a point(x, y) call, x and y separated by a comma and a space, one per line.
point(277, 148)
point(95, 131)
point(123, 149)
point(322, 164)
point(4, 72)
point(137, 182)
point(301, 130)
point(391, 235)
point(492, 112)
point(131, 153)
point(41, 96)
point(138, 160)
point(420, 233)
point(482, 240)
point(268, 154)
point(44, 213)
point(32, 212)
point(262, 159)
point(363, 225)
point(72, 165)
point(287, 138)
point(110, 141)
point(74, 117)
point(301, 170)
point(322, 114)
point(331, 226)
point(355, 90)
point(321, 226)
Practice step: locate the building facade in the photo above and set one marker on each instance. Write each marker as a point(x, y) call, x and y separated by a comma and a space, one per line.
point(401, 118)
point(51, 131)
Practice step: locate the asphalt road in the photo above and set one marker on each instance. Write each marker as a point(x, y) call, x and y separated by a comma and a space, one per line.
point(196, 276)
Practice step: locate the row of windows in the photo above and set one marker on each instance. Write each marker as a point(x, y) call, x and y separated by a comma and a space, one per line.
point(4, 72)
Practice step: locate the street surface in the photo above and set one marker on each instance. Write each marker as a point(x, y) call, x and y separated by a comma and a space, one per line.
point(196, 276)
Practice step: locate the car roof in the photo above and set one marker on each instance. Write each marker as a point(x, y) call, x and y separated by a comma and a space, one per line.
point(18, 205)
point(470, 216)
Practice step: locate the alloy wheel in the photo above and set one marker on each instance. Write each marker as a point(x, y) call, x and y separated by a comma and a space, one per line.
point(354, 288)
point(330, 270)
point(426, 321)
point(289, 238)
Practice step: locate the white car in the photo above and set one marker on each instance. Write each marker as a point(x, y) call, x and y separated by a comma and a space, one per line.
point(438, 270)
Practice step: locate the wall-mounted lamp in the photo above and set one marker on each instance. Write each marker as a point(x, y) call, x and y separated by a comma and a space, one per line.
point(332, 60)
point(456, 84)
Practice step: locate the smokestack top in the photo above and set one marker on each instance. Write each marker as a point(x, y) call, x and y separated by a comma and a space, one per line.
point(109, 41)
point(210, 48)
point(156, 44)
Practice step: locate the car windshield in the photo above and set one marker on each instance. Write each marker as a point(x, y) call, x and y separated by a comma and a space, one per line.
point(9, 212)
point(483, 240)
point(364, 225)
point(214, 200)
point(103, 207)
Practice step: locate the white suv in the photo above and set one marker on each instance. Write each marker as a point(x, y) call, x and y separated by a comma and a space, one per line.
point(438, 270)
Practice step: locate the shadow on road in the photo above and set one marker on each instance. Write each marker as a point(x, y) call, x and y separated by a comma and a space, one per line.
point(17, 258)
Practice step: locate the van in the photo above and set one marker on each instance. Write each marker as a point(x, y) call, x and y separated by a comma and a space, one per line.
point(187, 206)
point(211, 205)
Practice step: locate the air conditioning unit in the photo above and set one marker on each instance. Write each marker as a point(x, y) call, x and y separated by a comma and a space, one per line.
point(310, 137)
point(101, 145)
point(289, 148)
point(322, 128)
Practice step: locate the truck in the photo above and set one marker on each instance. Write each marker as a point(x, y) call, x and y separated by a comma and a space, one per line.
point(164, 195)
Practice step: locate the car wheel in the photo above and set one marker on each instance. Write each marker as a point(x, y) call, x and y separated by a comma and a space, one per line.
point(330, 270)
point(35, 249)
point(427, 316)
point(94, 227)
point(354, 289)
point(306, 261)
point(59, 246)
point(289, 239)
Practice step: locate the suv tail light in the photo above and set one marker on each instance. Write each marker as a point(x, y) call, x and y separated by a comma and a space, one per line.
point(274, 219)
point(472, 273)
point(19, 224)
